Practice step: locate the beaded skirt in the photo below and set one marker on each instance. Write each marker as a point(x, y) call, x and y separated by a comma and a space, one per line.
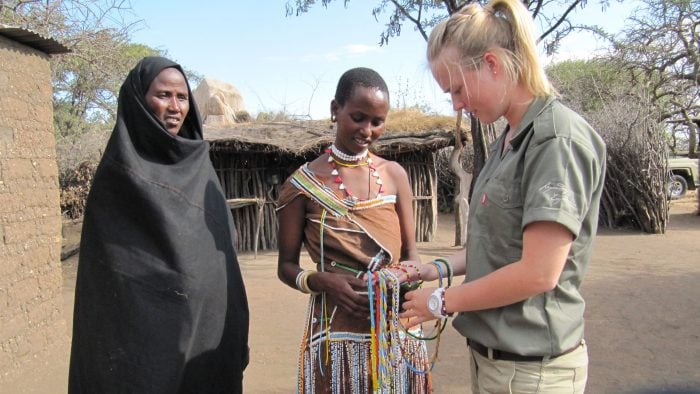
point(345, 362)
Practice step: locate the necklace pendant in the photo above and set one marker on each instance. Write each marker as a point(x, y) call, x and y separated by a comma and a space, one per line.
point(342, 187)
point(334, 172)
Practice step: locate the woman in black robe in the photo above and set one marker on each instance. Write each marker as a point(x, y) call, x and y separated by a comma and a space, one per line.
point(160, 305)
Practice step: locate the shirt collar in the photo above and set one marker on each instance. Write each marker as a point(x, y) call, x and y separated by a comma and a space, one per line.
point(536, 107)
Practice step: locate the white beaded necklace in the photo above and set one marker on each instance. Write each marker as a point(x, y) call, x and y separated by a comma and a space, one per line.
point(345, 157)
point(373, 172)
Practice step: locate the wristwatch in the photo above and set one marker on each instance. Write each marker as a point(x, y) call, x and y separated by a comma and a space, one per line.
point(435, 302)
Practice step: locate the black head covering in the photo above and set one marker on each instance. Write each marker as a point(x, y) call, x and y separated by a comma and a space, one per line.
point(149, 137)
point(160, 305)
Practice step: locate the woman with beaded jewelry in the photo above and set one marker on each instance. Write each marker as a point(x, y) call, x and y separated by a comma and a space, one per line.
point(353, 212)
point(533, 216)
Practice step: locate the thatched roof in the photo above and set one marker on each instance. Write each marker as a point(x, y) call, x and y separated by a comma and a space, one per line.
point(307, 137)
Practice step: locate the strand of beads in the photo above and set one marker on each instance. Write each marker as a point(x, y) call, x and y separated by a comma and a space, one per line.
point(345, 157)
point(335, 160)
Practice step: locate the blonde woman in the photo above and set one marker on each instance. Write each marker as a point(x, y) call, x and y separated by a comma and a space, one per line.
point(533, 215)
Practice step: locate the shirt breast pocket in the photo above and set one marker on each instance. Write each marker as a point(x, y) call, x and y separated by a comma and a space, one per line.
point(495, 227)
point(500, 212)
point(505, 195)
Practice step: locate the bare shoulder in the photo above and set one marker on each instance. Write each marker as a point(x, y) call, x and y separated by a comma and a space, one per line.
point(319, 166)
point(391, 170)
point(391, 167)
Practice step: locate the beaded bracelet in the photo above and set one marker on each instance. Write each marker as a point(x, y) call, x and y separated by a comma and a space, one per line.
point(405, 271)
point(439, 271)
point(415, 268)
point(297, 281)
point(443, 311)
point(302, 282)
point(448, 268)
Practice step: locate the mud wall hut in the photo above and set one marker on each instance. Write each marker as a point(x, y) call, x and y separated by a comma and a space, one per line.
point(31, 303)
point(252, 160)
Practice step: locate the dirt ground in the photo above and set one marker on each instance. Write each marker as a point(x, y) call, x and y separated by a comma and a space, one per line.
point(642, 318)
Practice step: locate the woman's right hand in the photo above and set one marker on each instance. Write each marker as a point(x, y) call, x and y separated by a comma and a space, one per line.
point(346, 291)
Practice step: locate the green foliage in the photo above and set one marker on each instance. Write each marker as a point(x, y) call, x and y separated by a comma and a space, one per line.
point(86, 83)
point(590, 83)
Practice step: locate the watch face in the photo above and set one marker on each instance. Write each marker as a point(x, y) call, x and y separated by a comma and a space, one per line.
point(433, 303)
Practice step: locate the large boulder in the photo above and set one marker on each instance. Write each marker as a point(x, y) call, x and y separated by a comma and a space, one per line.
point(218, 102)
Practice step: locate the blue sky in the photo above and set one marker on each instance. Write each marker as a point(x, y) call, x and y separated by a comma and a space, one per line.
point(292, 64)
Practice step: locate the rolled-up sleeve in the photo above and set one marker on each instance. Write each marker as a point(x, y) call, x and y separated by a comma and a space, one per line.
point(559, 177)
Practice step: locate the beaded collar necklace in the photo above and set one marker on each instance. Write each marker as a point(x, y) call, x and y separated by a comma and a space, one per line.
point(345, 157)
point(346, 161)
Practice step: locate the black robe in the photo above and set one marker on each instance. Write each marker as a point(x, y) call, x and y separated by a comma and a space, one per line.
point(160, 305)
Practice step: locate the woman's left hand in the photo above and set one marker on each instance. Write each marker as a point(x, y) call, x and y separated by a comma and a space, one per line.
point(416, 306)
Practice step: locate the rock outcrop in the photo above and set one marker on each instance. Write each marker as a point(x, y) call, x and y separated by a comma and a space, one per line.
point(218, 102)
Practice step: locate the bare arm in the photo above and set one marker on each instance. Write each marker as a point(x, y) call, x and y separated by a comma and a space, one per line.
point(415, 270)
point(546, 246)
point(404, 209)
point(289, 240)
point(341, 288)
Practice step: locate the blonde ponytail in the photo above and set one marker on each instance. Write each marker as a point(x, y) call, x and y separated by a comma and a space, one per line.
point(504, 27)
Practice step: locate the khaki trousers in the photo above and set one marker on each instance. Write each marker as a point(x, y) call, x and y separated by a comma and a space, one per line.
point(561, 375)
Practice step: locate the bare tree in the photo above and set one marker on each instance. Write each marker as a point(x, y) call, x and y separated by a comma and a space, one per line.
point(553, 16)
point(660, 49)
point(626, 117)
point(86, 81)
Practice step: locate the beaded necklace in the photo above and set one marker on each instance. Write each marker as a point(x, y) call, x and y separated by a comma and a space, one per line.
point(345, 157)
point(386, 340)
point(337, 158)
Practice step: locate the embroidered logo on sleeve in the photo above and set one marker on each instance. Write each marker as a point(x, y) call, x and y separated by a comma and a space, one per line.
point(558, 194)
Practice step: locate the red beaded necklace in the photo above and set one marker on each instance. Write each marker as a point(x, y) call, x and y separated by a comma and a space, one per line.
point(373, 173)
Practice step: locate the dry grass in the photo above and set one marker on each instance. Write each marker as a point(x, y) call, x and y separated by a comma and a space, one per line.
point(412, 120)
point(407, 120)
point(75, 186)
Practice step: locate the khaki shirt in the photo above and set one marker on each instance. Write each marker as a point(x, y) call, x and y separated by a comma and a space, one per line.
point(552, 170)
